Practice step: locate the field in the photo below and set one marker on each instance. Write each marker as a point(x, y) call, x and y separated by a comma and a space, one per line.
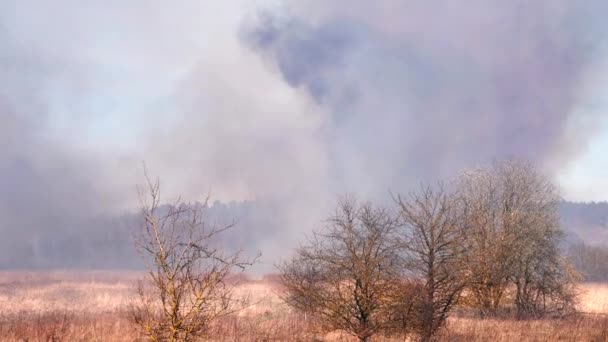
point(93, 306)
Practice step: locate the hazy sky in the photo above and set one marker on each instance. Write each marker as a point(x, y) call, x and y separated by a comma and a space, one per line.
point(586, 178)
point(289, 101)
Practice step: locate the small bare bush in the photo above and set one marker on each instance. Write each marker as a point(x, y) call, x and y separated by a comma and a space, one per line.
point(347, 273)
point(434, 250)
point(186, 288)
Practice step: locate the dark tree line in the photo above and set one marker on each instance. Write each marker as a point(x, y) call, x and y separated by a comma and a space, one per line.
point(590, 260)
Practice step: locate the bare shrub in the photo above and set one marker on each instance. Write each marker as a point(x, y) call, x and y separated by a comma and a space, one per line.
point(345, 274)
point(270, 320)
point(434, 248)
point(186, 288)
point(513, 233)
point(489, 243)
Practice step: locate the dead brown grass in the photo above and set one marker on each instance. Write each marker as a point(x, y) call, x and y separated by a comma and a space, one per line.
point(576, 328)
point(92, 306)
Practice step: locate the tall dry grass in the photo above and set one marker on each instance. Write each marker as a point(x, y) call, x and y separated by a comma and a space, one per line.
point(93, 306)
point(594, 298)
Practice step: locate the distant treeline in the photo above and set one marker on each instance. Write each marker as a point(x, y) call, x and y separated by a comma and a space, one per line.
point(105, 241)
point(590, 260)
point(584, 214)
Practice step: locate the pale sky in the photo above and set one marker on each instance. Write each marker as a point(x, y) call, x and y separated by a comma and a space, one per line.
point(586, 179)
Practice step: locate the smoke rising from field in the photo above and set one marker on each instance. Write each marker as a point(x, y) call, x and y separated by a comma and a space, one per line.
point(418, 87)
point(285, 105)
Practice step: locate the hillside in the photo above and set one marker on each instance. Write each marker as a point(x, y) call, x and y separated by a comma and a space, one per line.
point(585, 221)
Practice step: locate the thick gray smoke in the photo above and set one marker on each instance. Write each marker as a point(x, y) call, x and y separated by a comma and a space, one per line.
point(281, 106)
point(424, 88)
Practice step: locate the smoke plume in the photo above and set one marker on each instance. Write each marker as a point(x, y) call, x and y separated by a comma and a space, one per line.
point(273, 108)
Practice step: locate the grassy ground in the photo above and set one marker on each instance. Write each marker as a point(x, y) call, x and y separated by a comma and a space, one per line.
point(92, 306)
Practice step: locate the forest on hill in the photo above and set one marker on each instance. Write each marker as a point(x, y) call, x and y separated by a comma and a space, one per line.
point(107, 240)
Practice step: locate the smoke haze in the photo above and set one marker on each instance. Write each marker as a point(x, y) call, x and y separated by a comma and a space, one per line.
point(272, 107)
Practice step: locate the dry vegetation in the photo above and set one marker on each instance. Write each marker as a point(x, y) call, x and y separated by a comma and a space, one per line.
point(186, 287)
point(488, 244)
point(480, 262)
point(93, 306)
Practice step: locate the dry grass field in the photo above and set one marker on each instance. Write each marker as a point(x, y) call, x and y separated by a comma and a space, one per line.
point(93, 306)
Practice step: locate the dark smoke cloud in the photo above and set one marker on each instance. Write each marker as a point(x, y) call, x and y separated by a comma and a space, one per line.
point(275, 110)
point(419, 88)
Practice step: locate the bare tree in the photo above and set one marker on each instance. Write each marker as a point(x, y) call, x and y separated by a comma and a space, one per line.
point(489, 241)
point(186, 285)
point(347, 273)
point(513, 232)
point(542, 278)
point(434, 248)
